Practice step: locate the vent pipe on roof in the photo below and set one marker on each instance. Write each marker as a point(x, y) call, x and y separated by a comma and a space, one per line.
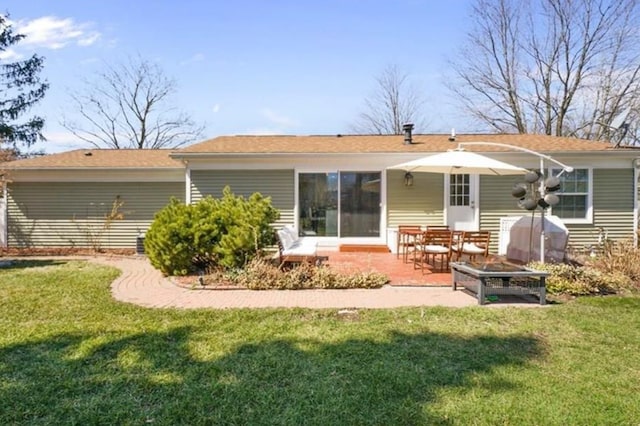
point(452, 138)
point(407, 128)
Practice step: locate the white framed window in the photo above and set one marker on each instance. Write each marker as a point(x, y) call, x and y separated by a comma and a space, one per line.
point(576, 196)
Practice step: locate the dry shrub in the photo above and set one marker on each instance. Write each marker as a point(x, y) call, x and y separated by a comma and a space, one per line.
point(262, 274)
point(619, 257)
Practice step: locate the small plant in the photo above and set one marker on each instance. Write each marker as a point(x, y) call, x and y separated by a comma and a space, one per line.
point(94, 233)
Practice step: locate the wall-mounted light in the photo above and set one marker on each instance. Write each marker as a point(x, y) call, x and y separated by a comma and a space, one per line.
point(408, 179)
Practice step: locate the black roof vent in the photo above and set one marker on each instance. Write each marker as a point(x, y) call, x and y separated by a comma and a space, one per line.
point(407, 128)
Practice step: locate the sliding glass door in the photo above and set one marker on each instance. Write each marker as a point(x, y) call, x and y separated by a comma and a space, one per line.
point(339, 204)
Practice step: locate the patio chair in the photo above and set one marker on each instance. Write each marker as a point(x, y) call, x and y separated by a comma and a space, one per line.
point(434, 245)
point(437, 227)
point(407, 235)
point(472, 243)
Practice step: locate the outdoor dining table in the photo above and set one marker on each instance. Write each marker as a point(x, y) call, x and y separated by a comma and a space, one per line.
point(406, 237)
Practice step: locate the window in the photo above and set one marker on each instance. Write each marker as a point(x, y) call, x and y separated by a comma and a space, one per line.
point(459, 190)
point(344, 204)
point(575, 196)
point(359, 204)
point(318, 193)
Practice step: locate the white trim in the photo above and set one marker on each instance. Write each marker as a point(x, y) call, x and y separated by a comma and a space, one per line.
point(187, 186)
point(113, 175)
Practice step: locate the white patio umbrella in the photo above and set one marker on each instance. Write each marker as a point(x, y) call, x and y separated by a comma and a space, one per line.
point(460, 162)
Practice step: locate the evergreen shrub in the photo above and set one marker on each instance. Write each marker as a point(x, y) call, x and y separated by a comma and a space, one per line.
point(211, 234)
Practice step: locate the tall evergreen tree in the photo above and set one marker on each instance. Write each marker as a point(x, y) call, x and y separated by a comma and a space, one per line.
point(20, 88)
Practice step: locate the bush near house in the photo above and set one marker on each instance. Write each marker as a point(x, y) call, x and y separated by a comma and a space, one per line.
point(210, 234)
point(614, 269)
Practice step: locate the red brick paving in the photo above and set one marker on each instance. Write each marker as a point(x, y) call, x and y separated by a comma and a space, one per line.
point(400, 273)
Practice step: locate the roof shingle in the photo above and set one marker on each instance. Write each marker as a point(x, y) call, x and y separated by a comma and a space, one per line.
point(340, 144)
point(337, 144)
point(99, 158)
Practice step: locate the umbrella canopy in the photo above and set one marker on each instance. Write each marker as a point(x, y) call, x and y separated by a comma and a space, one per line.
point(460, 162)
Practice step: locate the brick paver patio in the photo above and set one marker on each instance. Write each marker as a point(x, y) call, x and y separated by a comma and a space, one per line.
point(142, 285)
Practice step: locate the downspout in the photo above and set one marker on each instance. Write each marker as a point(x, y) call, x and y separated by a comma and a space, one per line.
point(187, 182)
point(4, 212)
point(636, 176)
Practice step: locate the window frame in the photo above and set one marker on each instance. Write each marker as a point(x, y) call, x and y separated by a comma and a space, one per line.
point(588, 219)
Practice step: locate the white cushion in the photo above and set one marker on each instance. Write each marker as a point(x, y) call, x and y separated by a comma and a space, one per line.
point(436, 249)
point(285, 239)
point(472, 248)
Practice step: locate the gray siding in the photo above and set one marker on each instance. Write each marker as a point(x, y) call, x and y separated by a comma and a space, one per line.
point(496, 202)
point(277, 184)
point(71, 214)
point(612, 207)
point(420, 204)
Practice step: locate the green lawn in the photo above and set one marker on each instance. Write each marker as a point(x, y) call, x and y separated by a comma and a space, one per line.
point(69, 354)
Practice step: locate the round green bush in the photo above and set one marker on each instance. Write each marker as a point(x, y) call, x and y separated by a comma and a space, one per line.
point(210, 234)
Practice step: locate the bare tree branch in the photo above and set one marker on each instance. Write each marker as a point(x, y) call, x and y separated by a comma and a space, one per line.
point(394, 102)
point(128, 106)
point(562, 67)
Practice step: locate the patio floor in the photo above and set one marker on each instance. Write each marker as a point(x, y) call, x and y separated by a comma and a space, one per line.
point(399, 272)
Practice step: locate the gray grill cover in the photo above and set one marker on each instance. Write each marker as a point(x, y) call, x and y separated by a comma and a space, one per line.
point(524, 245)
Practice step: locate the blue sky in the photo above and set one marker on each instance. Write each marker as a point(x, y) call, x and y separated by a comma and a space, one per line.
point(249, 67)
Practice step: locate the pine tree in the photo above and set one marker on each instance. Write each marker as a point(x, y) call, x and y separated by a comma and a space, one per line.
point(20, 89)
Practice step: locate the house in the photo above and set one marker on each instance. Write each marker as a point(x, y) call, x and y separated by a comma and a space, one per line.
point(335, 189)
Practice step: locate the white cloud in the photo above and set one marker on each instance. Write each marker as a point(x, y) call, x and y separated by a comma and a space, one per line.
point(198, 57)
point(10, 54)
point(216, 108)
point(58, 141)
point(55, 33)
point(277, 119)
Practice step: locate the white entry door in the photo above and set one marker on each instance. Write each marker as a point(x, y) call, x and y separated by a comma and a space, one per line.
point(461, 201)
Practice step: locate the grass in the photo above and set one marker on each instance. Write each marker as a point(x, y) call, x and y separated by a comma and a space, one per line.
point(70, 354)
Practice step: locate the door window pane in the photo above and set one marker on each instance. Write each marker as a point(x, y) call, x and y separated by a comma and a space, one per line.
point(359, 204)
point(459, 187)
point(318, 195)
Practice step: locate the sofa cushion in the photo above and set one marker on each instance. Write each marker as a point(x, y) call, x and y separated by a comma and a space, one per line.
point(286, 239)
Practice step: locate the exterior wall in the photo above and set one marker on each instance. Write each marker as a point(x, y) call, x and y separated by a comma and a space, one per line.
point(71, 214)
point(612, 207)
point(420, 204)
point(277, 184)
point(496, 202)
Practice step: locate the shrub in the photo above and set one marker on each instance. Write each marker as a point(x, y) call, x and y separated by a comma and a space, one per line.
point(620, 257)
point(581, 280)
point(169, 240)
point(261, 274)
point(210, 234)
